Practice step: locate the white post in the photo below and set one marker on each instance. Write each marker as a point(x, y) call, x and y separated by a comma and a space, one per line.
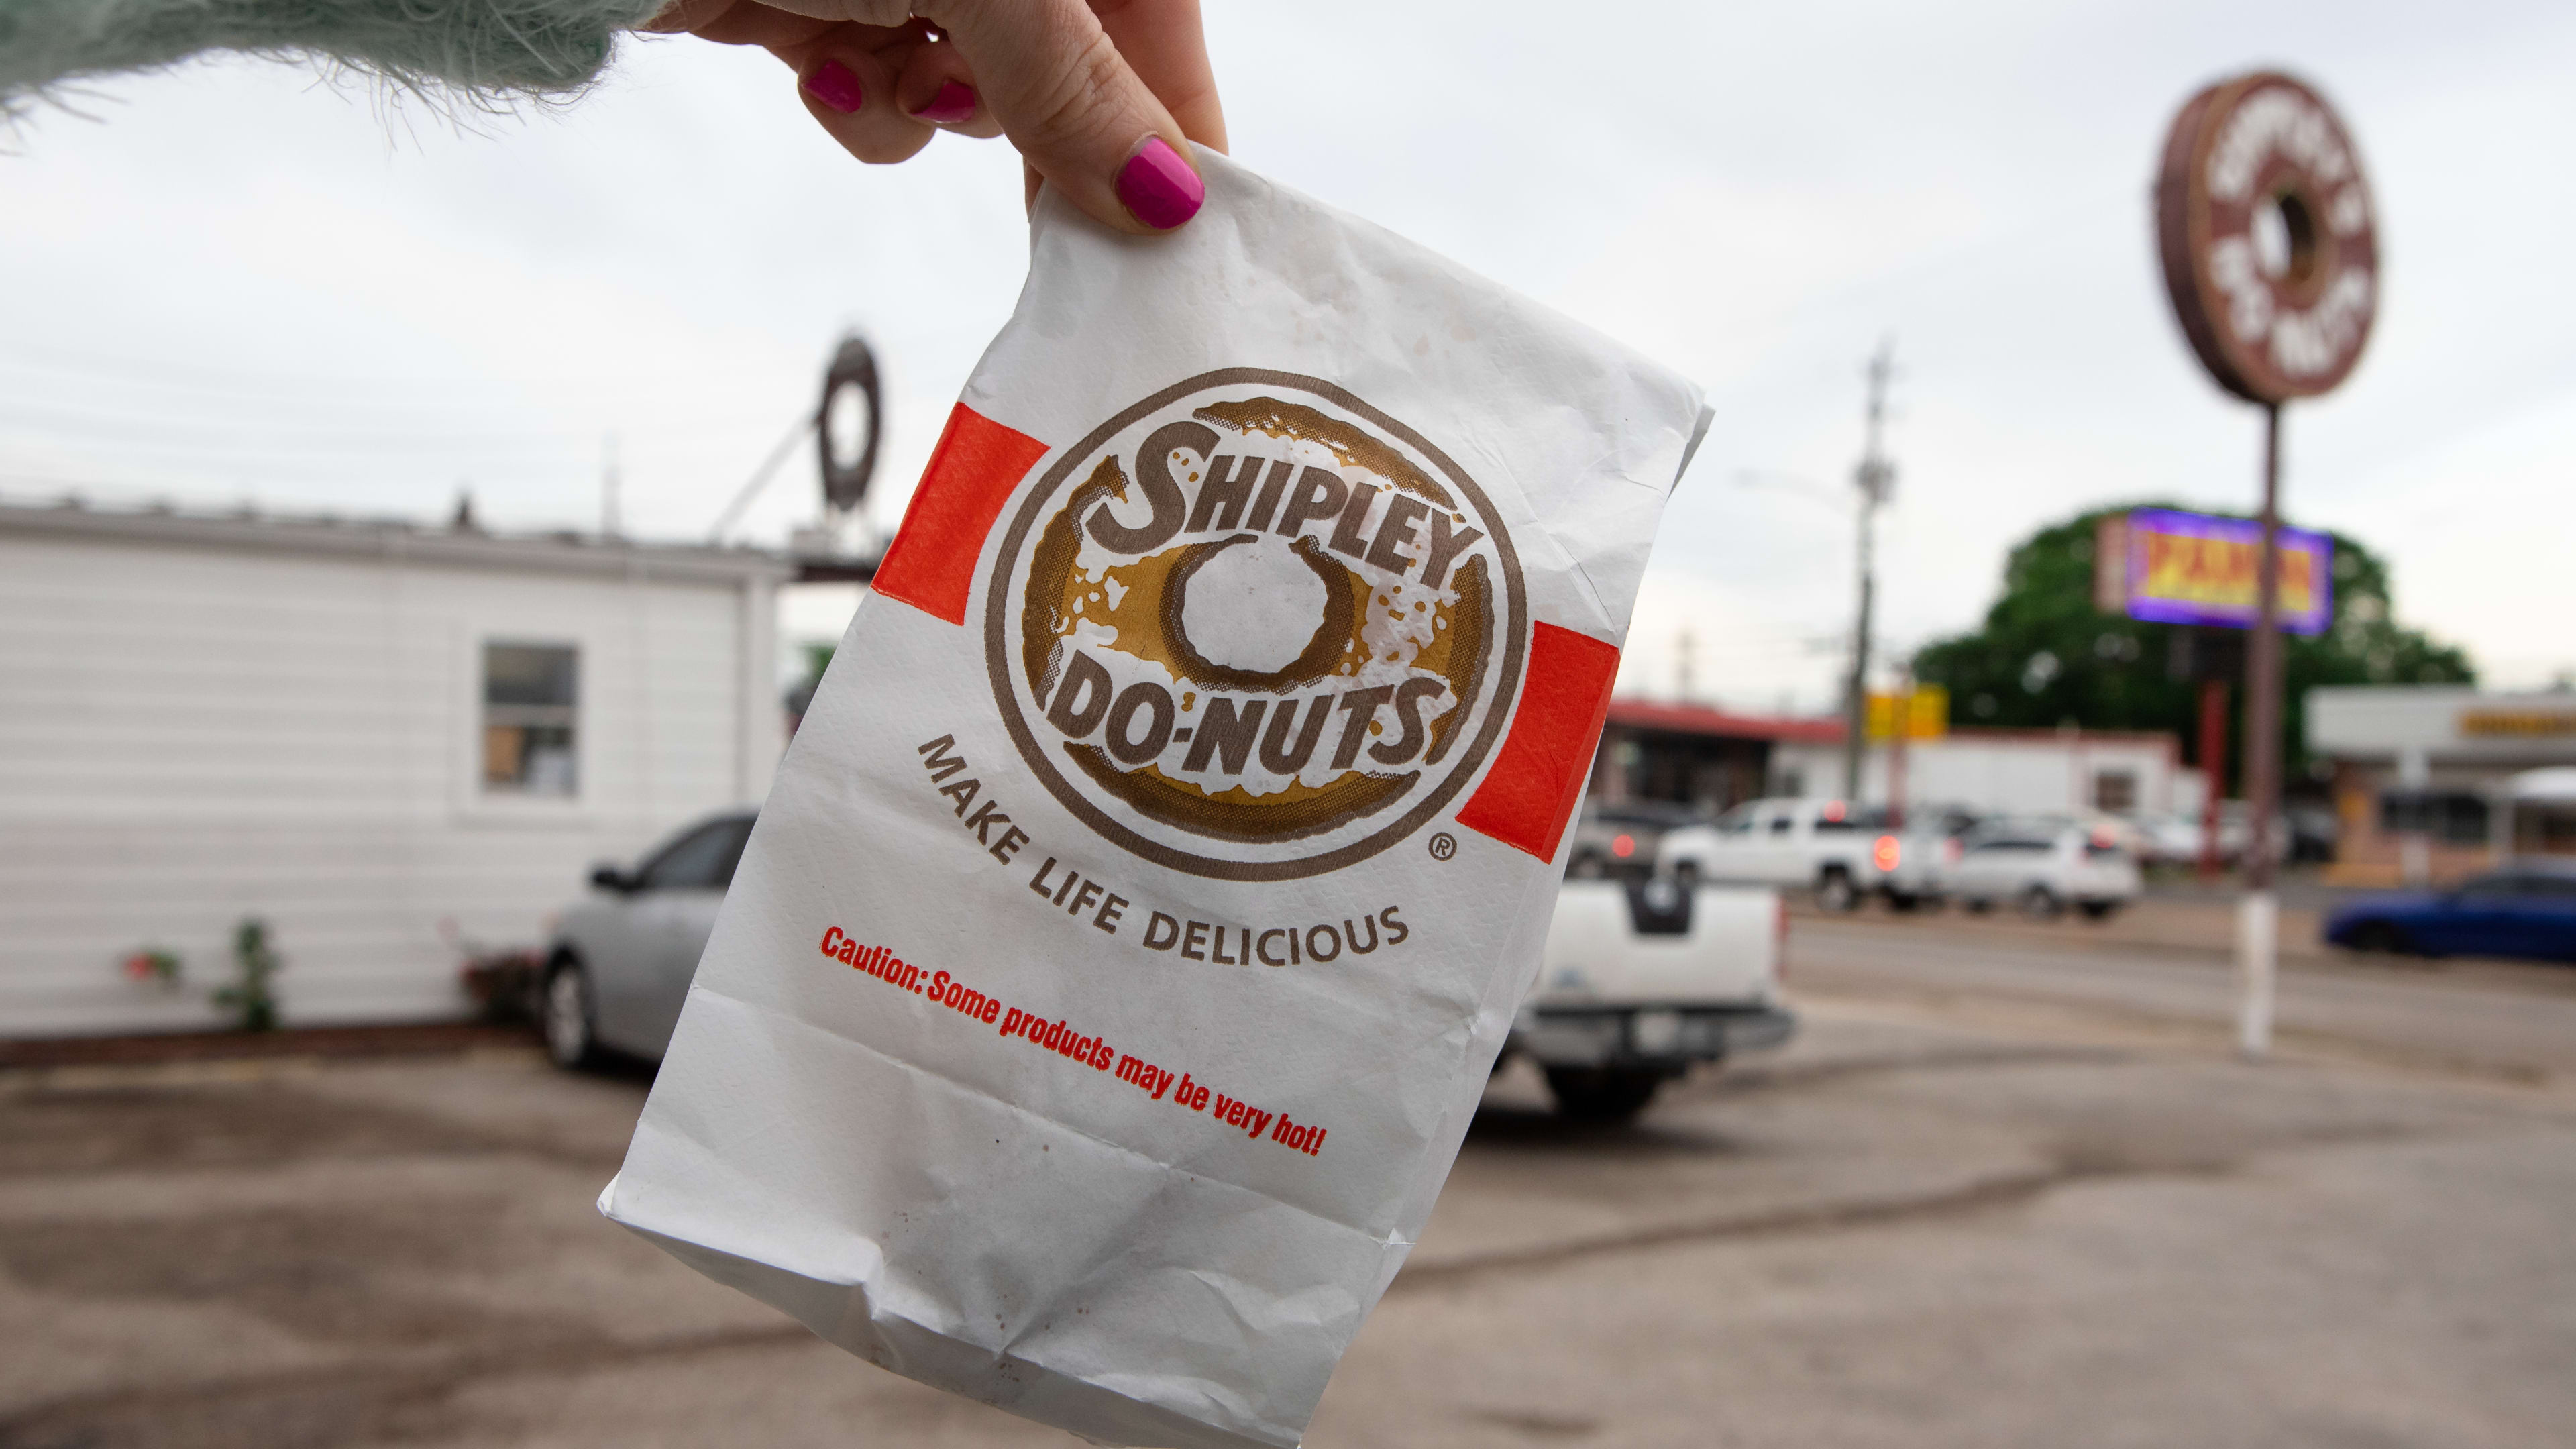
point(2258, 930)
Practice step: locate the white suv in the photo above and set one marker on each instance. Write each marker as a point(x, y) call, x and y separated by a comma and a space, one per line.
point(2043, 867)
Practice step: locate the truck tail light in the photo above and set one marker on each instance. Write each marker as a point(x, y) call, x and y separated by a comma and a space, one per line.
point(1886, 852)
point(1623, 845)
point(1780, 937)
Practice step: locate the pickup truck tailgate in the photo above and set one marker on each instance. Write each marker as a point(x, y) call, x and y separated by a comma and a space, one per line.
point(1655, 942)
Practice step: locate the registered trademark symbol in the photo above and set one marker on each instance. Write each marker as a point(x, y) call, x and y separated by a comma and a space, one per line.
point(1443, 845)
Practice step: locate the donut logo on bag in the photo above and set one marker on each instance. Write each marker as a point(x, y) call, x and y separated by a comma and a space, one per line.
point(1253, 628)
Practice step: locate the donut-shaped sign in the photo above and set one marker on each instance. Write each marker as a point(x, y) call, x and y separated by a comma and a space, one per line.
point(2270, 250)
point(849, 455)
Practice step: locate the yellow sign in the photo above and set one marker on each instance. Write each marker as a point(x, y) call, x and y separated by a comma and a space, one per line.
point(2517, 722)
point(1927, 713)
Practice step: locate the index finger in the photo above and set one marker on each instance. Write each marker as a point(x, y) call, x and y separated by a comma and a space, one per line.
point(1165, 44)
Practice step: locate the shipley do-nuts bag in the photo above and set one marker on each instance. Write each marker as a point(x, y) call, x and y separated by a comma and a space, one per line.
point(1124, 945)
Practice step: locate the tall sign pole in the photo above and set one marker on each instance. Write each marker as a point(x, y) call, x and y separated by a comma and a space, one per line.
point(2258, 917)
point(2270, 247)
point(2213, 769)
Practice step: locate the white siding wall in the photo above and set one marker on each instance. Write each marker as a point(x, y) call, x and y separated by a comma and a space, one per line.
point(2012, 774)
point(192, 734)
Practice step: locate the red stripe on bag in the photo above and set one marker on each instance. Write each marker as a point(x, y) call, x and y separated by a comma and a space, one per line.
point(931, 563)
point(1565, 695)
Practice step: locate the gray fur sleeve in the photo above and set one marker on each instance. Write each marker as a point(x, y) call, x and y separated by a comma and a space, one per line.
point(499, 48)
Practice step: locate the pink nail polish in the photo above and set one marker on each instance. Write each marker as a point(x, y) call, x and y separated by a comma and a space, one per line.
point(953, 106)
point(1158, 187)
point(835, 85)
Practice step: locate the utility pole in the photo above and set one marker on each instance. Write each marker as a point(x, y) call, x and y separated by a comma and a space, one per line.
point(1685, 672)
point(1876, 477)
point(1901, 726)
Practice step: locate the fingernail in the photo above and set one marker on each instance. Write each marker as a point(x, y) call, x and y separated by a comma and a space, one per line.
point(1158, 187)
point(837, 86)
point(954, 105)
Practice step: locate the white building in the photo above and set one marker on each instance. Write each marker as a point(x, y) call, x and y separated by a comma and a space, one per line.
point(2008, 771)
point(2432, 782)
point(376, 738)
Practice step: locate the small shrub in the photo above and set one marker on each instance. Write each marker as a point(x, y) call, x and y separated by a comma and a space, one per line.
point(254, 962)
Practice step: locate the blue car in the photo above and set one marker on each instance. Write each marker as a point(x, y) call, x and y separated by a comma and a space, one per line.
point(2527, 908)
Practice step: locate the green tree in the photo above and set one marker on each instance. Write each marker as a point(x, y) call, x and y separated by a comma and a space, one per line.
point(800, 695)
point(2046, 657)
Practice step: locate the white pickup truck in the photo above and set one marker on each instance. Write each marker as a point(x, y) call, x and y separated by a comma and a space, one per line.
point(1641, 978)
point(1844, 851)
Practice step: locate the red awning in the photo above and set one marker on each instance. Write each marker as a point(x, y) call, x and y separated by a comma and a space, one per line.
point(1707, 723)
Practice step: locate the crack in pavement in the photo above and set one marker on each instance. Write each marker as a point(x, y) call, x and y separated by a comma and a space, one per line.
point(1775, 1075)
point(1976, 1196)
point(2214, 1027)
point(309, 1408)
point(2075, 1164)
point(312, 1407)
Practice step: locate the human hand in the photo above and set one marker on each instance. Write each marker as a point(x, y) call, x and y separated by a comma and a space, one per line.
point(1097, 96)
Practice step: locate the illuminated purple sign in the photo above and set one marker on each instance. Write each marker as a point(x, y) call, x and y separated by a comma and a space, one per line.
point(2172, 567)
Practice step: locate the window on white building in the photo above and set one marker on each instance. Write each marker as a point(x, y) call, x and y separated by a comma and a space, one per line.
point(531, 708)
point(2458, 817)
point(2115, 792)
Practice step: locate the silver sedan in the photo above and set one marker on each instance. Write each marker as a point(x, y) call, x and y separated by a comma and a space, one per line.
point(619, 966)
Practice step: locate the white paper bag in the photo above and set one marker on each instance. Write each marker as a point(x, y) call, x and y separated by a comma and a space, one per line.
point(1123, 948)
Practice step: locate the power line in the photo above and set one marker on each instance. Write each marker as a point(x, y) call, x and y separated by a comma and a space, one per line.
point(121, 427)
point(230, 378)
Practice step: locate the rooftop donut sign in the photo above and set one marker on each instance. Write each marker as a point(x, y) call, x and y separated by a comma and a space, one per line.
point(1254, 628)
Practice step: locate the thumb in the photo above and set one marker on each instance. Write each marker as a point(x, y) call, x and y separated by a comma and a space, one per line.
point(1078, 114)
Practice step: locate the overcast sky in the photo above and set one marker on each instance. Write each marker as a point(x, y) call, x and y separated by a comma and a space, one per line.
point(238, 282)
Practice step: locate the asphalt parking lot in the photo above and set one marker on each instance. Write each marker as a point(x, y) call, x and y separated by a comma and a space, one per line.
point(1960, 1210)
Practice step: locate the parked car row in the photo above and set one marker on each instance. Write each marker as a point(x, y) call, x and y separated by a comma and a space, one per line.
point(1846, 853)
point(1641, 977)
point(2302, 833)
point(1639, 980)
